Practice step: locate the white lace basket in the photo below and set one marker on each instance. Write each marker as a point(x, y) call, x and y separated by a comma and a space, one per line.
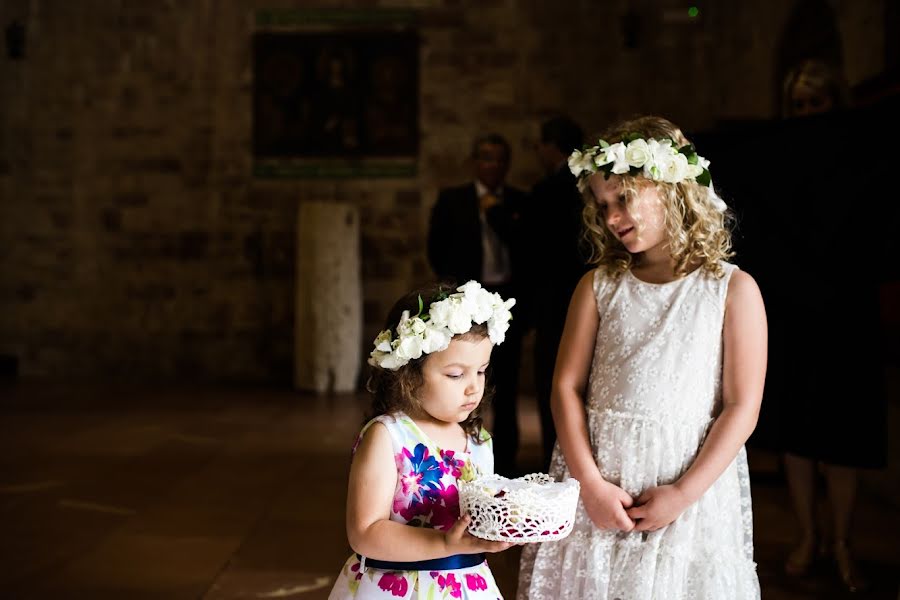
point(533, 508)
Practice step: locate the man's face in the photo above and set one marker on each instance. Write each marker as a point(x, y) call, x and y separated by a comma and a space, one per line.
point(491, 164)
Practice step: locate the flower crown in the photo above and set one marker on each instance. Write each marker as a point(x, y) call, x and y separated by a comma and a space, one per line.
point(659, 160)
point(654, 159)
point(448, 316)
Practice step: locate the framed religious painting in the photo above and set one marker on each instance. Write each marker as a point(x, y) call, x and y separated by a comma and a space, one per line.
point(335, 94)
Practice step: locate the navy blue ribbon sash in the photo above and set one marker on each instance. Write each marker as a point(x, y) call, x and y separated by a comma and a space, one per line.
point(457, 561)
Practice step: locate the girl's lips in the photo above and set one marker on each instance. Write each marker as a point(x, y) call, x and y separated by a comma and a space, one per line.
point(469, 406)
point(621, 234)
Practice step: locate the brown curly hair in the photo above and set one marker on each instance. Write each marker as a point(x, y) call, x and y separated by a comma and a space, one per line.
point(697, 232)
point(399, 390)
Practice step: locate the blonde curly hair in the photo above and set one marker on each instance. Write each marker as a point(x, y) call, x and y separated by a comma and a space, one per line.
point(697, 231)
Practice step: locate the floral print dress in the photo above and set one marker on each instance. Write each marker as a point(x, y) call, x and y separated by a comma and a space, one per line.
point(426, 496)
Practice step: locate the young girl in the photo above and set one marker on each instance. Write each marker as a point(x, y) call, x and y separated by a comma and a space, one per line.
point(428, 380)
point(657, 385)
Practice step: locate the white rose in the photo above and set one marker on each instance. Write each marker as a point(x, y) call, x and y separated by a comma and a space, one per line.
point(637, 153)
point(440, 312)
point(417, 326)
point(410, 347)
point(392, 361)
point(499, 321)
point(459, 321)
point(659, 154)
point(404, 320)
point(694, 171)
point(653, 170)
point(497, 330)
point(469, 288)
point(676, 169)
point(435, 339)
point(470, 296)
point(603, 158)
point(383, 341)
point(616, 154)
point(484, 306)
point(375, 358)
point(579, 162)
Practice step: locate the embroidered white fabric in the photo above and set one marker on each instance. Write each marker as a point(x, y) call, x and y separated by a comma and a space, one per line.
point(533, 508)
point(654, 391)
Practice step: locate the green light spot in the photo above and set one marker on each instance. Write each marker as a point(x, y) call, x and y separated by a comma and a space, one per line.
point(693, 12)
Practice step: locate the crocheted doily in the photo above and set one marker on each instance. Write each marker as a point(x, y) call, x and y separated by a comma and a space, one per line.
point(533, 508)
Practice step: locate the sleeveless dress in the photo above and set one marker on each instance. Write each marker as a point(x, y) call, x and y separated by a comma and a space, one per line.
point(426, 496)
point(655, 388)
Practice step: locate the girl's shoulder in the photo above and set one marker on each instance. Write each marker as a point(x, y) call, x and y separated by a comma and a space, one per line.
point(397, 425)
point(740, 284)
point(604, 278)
point(722, 272)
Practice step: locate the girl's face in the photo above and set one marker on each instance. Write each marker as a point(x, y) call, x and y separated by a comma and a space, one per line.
point(808, 100)
point(454, 379)
point(641, 225)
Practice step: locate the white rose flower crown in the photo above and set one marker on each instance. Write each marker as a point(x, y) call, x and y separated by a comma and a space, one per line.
point(654, 159)
point(448, 316)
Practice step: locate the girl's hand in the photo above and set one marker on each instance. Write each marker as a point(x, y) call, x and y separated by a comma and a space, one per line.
point(460, 541)
point(605, 504)
point(658, 507)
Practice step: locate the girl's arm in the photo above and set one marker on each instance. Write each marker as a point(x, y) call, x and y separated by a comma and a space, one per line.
point(370, 494)
point(743, 376)
point(603, 501)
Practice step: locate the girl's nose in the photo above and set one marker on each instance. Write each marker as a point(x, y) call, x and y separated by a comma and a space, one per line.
point(612, 218)
point(474, 386)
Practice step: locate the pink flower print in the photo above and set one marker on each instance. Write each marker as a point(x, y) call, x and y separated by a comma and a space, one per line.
point(399, 505)
point(475, 582)
point(355, 568)
point(395, 584)
point(410, 483)
point(450, 495)
point(449, 581)
point(443, 516)
point(451, 465)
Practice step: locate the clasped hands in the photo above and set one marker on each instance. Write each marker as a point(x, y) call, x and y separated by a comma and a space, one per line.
point(611, 507)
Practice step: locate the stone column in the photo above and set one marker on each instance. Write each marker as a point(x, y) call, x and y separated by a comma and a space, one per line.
point(328, 317)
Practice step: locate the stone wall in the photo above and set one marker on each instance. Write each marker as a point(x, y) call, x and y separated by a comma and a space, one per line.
point(136, 242)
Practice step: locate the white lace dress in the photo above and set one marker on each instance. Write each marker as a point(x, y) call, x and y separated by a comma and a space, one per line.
point(655, 388)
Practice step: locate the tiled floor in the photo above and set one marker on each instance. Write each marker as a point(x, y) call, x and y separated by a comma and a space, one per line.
point(125, 492)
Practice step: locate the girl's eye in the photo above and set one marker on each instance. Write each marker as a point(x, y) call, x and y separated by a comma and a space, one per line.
point(454, 375)
point(481, 373)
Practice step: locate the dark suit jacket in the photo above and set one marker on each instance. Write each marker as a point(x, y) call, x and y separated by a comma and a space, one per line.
point(454, 235)
point(557, 252)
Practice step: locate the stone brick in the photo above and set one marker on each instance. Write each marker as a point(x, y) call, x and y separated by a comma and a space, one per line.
point(131, 199)
point(111, 219)
point(127, 177)
point(409, 199)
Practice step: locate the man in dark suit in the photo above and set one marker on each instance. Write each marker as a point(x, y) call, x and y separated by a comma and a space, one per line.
point(554, 226)
point(476, 233)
